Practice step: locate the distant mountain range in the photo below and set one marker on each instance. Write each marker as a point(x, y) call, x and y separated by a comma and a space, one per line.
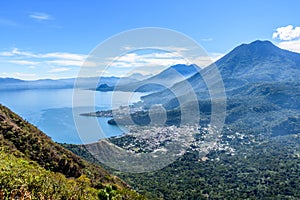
point(83, 83)
point(142, 83)
point(257, 62)
point(262, 87)
point(158, 82)
point(139, 76)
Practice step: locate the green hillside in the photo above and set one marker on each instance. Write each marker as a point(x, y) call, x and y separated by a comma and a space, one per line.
point(35, 167)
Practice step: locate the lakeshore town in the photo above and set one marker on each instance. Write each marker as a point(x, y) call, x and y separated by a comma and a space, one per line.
point(151, 139)
point(157, 138)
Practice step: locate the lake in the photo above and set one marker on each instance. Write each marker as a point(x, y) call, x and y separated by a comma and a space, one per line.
point(52, 111)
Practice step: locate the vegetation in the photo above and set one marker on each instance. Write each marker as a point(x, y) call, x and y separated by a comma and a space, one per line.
point(32, 166)
point(22, 178)
point(264, 165)
point(266, 169)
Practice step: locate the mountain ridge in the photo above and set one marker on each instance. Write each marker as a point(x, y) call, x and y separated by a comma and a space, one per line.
point(259, 61)
point(258, 55)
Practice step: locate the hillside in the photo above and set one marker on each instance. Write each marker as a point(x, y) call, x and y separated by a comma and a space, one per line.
point(32, 163)
point(245, 166)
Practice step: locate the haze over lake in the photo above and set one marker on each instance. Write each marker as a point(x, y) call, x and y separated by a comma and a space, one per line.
point(51, 111)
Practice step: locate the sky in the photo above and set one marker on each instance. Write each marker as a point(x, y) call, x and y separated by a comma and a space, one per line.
point(53, 39)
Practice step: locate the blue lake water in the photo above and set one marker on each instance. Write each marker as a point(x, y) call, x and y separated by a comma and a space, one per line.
point(53, 112)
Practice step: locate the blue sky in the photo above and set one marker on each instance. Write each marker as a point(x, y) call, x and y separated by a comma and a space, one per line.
point(51, 39)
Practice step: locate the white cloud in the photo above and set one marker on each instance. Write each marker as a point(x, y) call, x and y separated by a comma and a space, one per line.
point(56, 70)
point(14, 52)
point(40, 16)
point(57, 58)
point(60, 55)
point(162, 48)
point(23, 76)
point(6, 54)
point(287, 33)
point(293, 45)
point(17, 52)
point(153, 62)
point(66, 62)
point(144, 62)
point(23, 62)
point(133, 60)
point(78, 63)
point(90, 64)
point(42, 65)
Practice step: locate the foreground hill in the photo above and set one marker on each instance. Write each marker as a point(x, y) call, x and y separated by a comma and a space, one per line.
point(32, 164)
